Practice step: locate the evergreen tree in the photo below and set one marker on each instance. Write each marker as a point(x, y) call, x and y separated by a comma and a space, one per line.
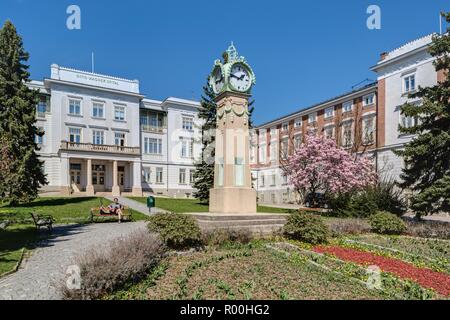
point(204, 168)
point(21, 172)
point(427, 156)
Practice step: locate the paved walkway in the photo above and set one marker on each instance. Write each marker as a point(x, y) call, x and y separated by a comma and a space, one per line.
point(135, 205)
point(44, 271)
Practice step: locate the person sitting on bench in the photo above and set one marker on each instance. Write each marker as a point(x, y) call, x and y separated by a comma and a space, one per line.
point(113, 208)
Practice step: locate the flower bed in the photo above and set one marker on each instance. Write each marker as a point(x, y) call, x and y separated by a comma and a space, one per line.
point(428, 278)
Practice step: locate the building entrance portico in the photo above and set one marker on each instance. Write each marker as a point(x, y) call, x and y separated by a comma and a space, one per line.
point(90, 176)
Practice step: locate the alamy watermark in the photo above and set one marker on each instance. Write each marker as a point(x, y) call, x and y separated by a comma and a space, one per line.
point(73, 281)
point(73, 21)
point(374, 279)
point(374, 20)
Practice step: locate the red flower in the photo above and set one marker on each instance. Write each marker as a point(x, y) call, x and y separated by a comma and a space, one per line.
point(427, 278)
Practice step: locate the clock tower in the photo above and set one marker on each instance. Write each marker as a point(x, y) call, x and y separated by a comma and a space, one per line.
point(232, 81)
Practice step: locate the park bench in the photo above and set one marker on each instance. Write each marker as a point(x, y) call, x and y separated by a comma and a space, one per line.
point(42, 221)
point(102, 213)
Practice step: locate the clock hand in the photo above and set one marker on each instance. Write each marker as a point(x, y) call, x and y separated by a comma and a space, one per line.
point(233, 76)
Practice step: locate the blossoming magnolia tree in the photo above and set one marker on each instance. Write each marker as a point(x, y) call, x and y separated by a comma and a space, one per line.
point(319, 165)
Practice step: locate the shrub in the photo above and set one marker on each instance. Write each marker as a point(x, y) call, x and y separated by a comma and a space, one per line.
point(345, 226)
point(178, 231)
point(358, 205)
point(382, 197)
point(126, 260)
point(386, 223)
point(227, 236)
point(389, 198)
point(306, 227)
point(428, 229)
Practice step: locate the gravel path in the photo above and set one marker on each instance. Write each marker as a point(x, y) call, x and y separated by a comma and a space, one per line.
point(41, 274)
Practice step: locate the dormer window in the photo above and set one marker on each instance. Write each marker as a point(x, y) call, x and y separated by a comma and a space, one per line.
point(312, 117)
point(329, 112)
point(347, 106)
point(369, 99)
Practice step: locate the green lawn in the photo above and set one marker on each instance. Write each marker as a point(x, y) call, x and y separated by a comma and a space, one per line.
point(13, 241)
point(63, 209)
point(21, 234)
point(193, 205)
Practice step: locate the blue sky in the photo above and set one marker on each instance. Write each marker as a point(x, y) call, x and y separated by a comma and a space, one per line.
point(302, 52)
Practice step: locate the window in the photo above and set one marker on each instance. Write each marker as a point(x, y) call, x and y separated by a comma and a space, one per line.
point(119, 139)
point(297, 141)
point(273, 180)
point(368, 130)
point(347, 106)
point(191, 176)
point(329, 132)
point(147, 175)
point(98, 137)
point(298, 123)
point(97, 110)
point(369, 99)
point(262, 153)
point(407, 122)
point(159, 175)
point(239, 172)
point(151, 120)
point(187, 148)
point(312, 118)
point(409, 83)
point(42, 106)
point(152, 146)
point(39, 139)
point(347, 134)
point(182, 176)
point(119, 113)
point(273, 151)
point(252, 153)
point(284, 149)
point(75, 135)
point(263, 180)
point(273, 198)
point(75, 107)
point(329, 112)
point(188, 123)
point(285, 179)
point(285, 127)
point(273, 132)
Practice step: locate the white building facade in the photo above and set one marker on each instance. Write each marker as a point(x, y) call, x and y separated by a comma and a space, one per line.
point(102, 135)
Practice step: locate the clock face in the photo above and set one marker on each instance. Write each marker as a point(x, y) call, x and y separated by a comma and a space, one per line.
point(217, 80)
point(240, 78)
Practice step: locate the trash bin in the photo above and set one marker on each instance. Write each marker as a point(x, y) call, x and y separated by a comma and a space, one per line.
point(151, 203)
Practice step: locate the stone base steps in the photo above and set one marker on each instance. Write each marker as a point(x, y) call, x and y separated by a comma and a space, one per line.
point(253, 223)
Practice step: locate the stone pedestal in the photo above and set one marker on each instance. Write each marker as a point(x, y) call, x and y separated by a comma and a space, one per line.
point(232, 200)
point(232, 192)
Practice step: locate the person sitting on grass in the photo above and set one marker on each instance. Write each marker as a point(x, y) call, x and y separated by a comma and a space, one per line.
point(113, 208)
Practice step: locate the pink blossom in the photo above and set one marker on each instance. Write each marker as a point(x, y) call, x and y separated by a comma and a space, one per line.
point(319, 165)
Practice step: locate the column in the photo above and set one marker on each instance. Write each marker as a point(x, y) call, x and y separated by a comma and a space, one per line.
point(64, 175)
point(89, 187)
point(137, 175)
point(115, 187)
